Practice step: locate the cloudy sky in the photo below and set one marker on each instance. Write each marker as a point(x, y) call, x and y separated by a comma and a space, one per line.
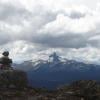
point(32, 29)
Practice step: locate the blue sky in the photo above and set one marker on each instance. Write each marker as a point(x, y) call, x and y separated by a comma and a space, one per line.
point(32, 29)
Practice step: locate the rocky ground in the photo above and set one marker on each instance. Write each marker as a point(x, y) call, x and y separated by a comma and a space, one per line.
point(13, 86)
point(65, 93)
point(31, 94)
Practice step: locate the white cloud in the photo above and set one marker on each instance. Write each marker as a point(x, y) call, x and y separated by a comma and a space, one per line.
point(32, 27)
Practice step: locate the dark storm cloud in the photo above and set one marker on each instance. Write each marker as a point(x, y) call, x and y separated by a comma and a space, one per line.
point(65, 41)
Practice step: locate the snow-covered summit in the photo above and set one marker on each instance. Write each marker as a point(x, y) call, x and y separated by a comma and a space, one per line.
point(54, 63)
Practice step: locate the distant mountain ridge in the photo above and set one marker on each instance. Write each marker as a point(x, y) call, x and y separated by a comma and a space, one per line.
point(54, 61)
point(56, 71)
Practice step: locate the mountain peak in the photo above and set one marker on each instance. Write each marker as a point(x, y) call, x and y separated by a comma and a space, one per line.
point(54, 57)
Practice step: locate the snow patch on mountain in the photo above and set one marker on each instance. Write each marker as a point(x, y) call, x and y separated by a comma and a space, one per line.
point(55, 63)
